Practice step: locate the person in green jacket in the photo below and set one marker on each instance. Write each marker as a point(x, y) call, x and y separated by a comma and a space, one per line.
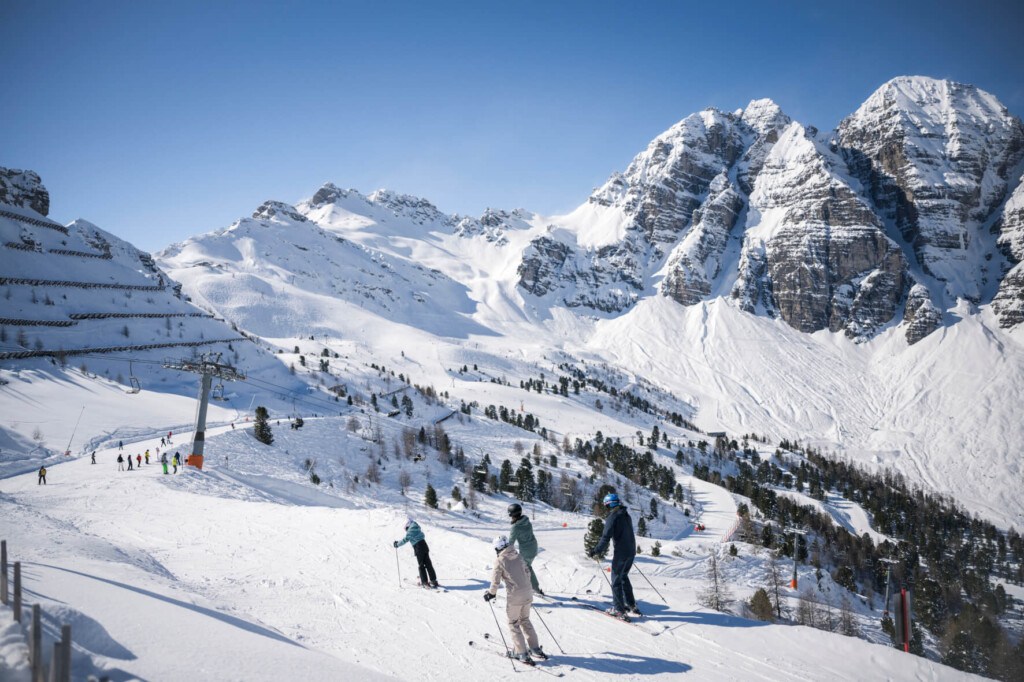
point(522, 532)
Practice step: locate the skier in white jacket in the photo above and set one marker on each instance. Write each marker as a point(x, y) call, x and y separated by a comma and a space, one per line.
point(510, 568)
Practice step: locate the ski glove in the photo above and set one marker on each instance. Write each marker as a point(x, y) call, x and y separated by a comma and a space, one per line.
point(488, 596)
point(395, 543)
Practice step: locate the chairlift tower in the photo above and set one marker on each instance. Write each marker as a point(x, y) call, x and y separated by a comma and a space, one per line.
point(208, 366)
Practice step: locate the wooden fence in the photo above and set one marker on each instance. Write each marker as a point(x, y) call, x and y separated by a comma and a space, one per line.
point(59, 669)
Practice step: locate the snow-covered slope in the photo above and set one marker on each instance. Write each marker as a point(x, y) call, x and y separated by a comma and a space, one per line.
point(86, 321)
point(246, 571)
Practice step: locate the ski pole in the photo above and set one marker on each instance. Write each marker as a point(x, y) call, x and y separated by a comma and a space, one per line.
point(537, 611)
point(398, 565)
point(508, 652)
point(650, 583)
point(606, 578)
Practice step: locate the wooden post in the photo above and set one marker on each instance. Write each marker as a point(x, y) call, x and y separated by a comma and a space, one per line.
point(36, 645)
point(17, 591)
point(65, 653)
point(3, 572)
point(55, 664)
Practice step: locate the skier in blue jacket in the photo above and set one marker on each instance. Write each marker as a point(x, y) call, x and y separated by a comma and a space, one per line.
point(414, 535)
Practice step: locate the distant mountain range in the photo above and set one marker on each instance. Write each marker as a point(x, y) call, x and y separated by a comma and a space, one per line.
point(861, 289)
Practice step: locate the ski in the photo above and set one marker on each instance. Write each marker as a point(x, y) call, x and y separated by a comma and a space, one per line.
point(621, 619)
point(539, 666)
point(419, 585)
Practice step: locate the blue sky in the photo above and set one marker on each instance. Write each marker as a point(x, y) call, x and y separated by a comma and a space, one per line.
point(158, 121)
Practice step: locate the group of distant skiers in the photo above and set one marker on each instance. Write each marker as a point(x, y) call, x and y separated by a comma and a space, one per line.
point(174, 461)
point(515, 570)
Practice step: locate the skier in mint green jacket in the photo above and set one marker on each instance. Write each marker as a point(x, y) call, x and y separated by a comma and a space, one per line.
point(414, 535)
point(522, 532)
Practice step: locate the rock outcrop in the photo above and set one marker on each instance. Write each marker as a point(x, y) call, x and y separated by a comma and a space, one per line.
point(921, 315)
point(271, 209)
point(24, 188)
point(1009, 300)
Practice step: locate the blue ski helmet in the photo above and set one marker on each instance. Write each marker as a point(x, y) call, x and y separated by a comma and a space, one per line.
point(611, 500)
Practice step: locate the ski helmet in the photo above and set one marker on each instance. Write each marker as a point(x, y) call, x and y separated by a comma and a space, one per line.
point(611, 500)
point(409, 522)
point(500, 543)
point(515, 510)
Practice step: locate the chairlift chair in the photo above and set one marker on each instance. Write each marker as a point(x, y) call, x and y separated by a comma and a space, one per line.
point(134, 383)
point(218, 392)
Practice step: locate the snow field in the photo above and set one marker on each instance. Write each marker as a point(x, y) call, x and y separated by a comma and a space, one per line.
point(247, 571)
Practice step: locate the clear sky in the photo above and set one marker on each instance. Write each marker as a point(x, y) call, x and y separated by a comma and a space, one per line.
point(160, 120)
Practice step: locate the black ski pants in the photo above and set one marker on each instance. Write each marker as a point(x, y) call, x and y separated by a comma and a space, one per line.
point(622, 589)
point(427, 575)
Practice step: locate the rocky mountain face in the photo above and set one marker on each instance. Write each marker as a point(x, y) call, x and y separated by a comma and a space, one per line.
point(936, 158)
point(24, 188)
point(884, 220)
point(1009, 300)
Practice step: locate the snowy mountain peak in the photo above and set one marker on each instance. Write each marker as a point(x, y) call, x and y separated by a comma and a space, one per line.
point(764, 116)
point(270, 210)
point(330, 193)
point(417, 209)
point(937, 157)
point(24, 188)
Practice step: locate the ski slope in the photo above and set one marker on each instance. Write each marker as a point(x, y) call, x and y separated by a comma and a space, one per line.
point(247, 571)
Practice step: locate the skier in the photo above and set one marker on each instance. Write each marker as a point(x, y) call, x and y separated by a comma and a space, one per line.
point(147, 456)
point(163, 460)
point(129, 462)
point(168, 436)
point(120, 462)
point(162, 443)
point(120, 445)
point(93, 456)
point(619, 527)
point(414, 535)
point(42, 476)
point(522, 532)
point(138, 460)
point(174, 462)
point(511, 568)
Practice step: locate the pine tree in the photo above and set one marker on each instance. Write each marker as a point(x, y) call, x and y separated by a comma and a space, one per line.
point(505, 475)
point(526, 486)
point(761, 605)
point(262, 428)
point(716, 594)
point(847, 622)
point(641, 527)
point(656, 550)
point(593, 536)
point(430, 497)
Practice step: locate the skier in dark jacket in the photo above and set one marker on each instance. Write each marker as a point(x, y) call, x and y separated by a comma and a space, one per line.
point(120, 462)
point(414, 535)
point(618, 528)
point(522, 532)
point(42, 476)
